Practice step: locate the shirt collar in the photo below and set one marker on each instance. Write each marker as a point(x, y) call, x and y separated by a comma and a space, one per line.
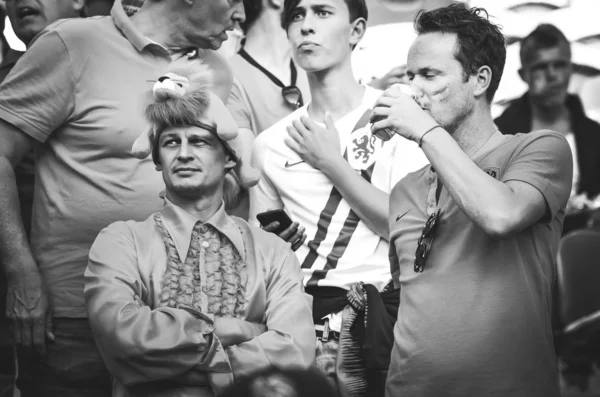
point(129, 30)
point(180, 225)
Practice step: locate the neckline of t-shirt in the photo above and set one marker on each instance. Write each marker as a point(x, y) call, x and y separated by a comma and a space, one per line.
point(360, 108)
point(494, 141)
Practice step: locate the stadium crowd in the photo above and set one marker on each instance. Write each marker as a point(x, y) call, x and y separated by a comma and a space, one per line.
point(201, 198)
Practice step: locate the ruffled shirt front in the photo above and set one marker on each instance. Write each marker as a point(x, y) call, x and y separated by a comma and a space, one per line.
point(154, 289)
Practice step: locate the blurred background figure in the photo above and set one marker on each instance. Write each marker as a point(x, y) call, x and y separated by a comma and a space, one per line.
point(30, 18)
point(380, 58)
point(267, 84)
point(283, 383)
point(546, 69)
point(8, 56)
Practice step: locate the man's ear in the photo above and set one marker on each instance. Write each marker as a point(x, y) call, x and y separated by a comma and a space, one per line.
point(483, 80)
point(230, 163)
point(359, 27)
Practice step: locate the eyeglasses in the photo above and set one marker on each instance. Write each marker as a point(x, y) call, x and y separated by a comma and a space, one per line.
point(425, 241)
point(292, 96)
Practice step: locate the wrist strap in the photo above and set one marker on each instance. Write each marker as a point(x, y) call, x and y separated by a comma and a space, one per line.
point(427, 132)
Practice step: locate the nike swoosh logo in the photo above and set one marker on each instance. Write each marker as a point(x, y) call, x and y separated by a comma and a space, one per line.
point(400, 216)
point(288, 164)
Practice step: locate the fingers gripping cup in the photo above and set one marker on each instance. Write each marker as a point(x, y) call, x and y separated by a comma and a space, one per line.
point(385, 134)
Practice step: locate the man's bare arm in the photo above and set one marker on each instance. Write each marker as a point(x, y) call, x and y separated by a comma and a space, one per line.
point(27, 302)
point(13, 239)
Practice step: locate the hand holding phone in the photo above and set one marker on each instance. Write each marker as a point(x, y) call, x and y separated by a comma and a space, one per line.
point(279, 223)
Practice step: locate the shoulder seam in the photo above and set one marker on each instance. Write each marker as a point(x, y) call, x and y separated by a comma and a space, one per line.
point(73, 83)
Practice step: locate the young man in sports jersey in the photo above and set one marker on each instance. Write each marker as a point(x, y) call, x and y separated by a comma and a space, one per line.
point(475, 235)
point(322, 166)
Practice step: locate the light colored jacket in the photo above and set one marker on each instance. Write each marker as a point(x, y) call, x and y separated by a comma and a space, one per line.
point(161, 351)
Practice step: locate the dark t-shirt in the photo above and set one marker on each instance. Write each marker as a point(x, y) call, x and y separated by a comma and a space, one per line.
point(476, 321)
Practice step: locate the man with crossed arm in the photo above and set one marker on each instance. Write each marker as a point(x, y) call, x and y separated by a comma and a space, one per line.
point(189, 300)
point(82, 115)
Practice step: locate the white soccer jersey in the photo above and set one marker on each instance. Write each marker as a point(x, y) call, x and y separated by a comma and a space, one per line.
point(339, 249)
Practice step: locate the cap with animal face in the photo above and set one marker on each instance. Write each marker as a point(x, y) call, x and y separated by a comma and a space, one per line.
point(182, 96)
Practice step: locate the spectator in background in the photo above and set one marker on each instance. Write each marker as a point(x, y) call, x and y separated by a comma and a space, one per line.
point(222, 77)
point(8, 56)
point(546, 69)
point(83, 114)
point(27, 19)
point(230, 301)
point(267, 84)
point(395, 75)
point(475, 235)
point(322, 166)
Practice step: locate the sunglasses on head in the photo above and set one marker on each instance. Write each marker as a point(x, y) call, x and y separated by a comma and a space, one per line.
point(425, 241)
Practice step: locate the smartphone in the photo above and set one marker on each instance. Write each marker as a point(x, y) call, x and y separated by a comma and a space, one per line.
point(280, 216)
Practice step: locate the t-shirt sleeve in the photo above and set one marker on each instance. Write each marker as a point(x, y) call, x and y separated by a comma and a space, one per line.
point(544, 161)
point(38, 95)
point(238, 106)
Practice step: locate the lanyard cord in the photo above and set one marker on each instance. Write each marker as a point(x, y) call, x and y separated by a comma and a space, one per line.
point(274, 79)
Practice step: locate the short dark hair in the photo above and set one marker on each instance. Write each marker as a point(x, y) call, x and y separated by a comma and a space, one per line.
point(356, 8)
point(543, 37)
point(253, 9)
point(480, 42)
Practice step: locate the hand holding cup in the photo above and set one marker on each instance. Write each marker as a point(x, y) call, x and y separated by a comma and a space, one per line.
point(398, 111)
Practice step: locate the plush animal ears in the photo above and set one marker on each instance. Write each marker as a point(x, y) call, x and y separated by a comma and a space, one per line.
point(182, 97)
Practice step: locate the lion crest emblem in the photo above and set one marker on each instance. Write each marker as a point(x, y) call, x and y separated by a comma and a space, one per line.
point(363, 148)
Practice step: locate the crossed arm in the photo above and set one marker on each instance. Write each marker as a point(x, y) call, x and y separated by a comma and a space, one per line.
point(140, 344)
